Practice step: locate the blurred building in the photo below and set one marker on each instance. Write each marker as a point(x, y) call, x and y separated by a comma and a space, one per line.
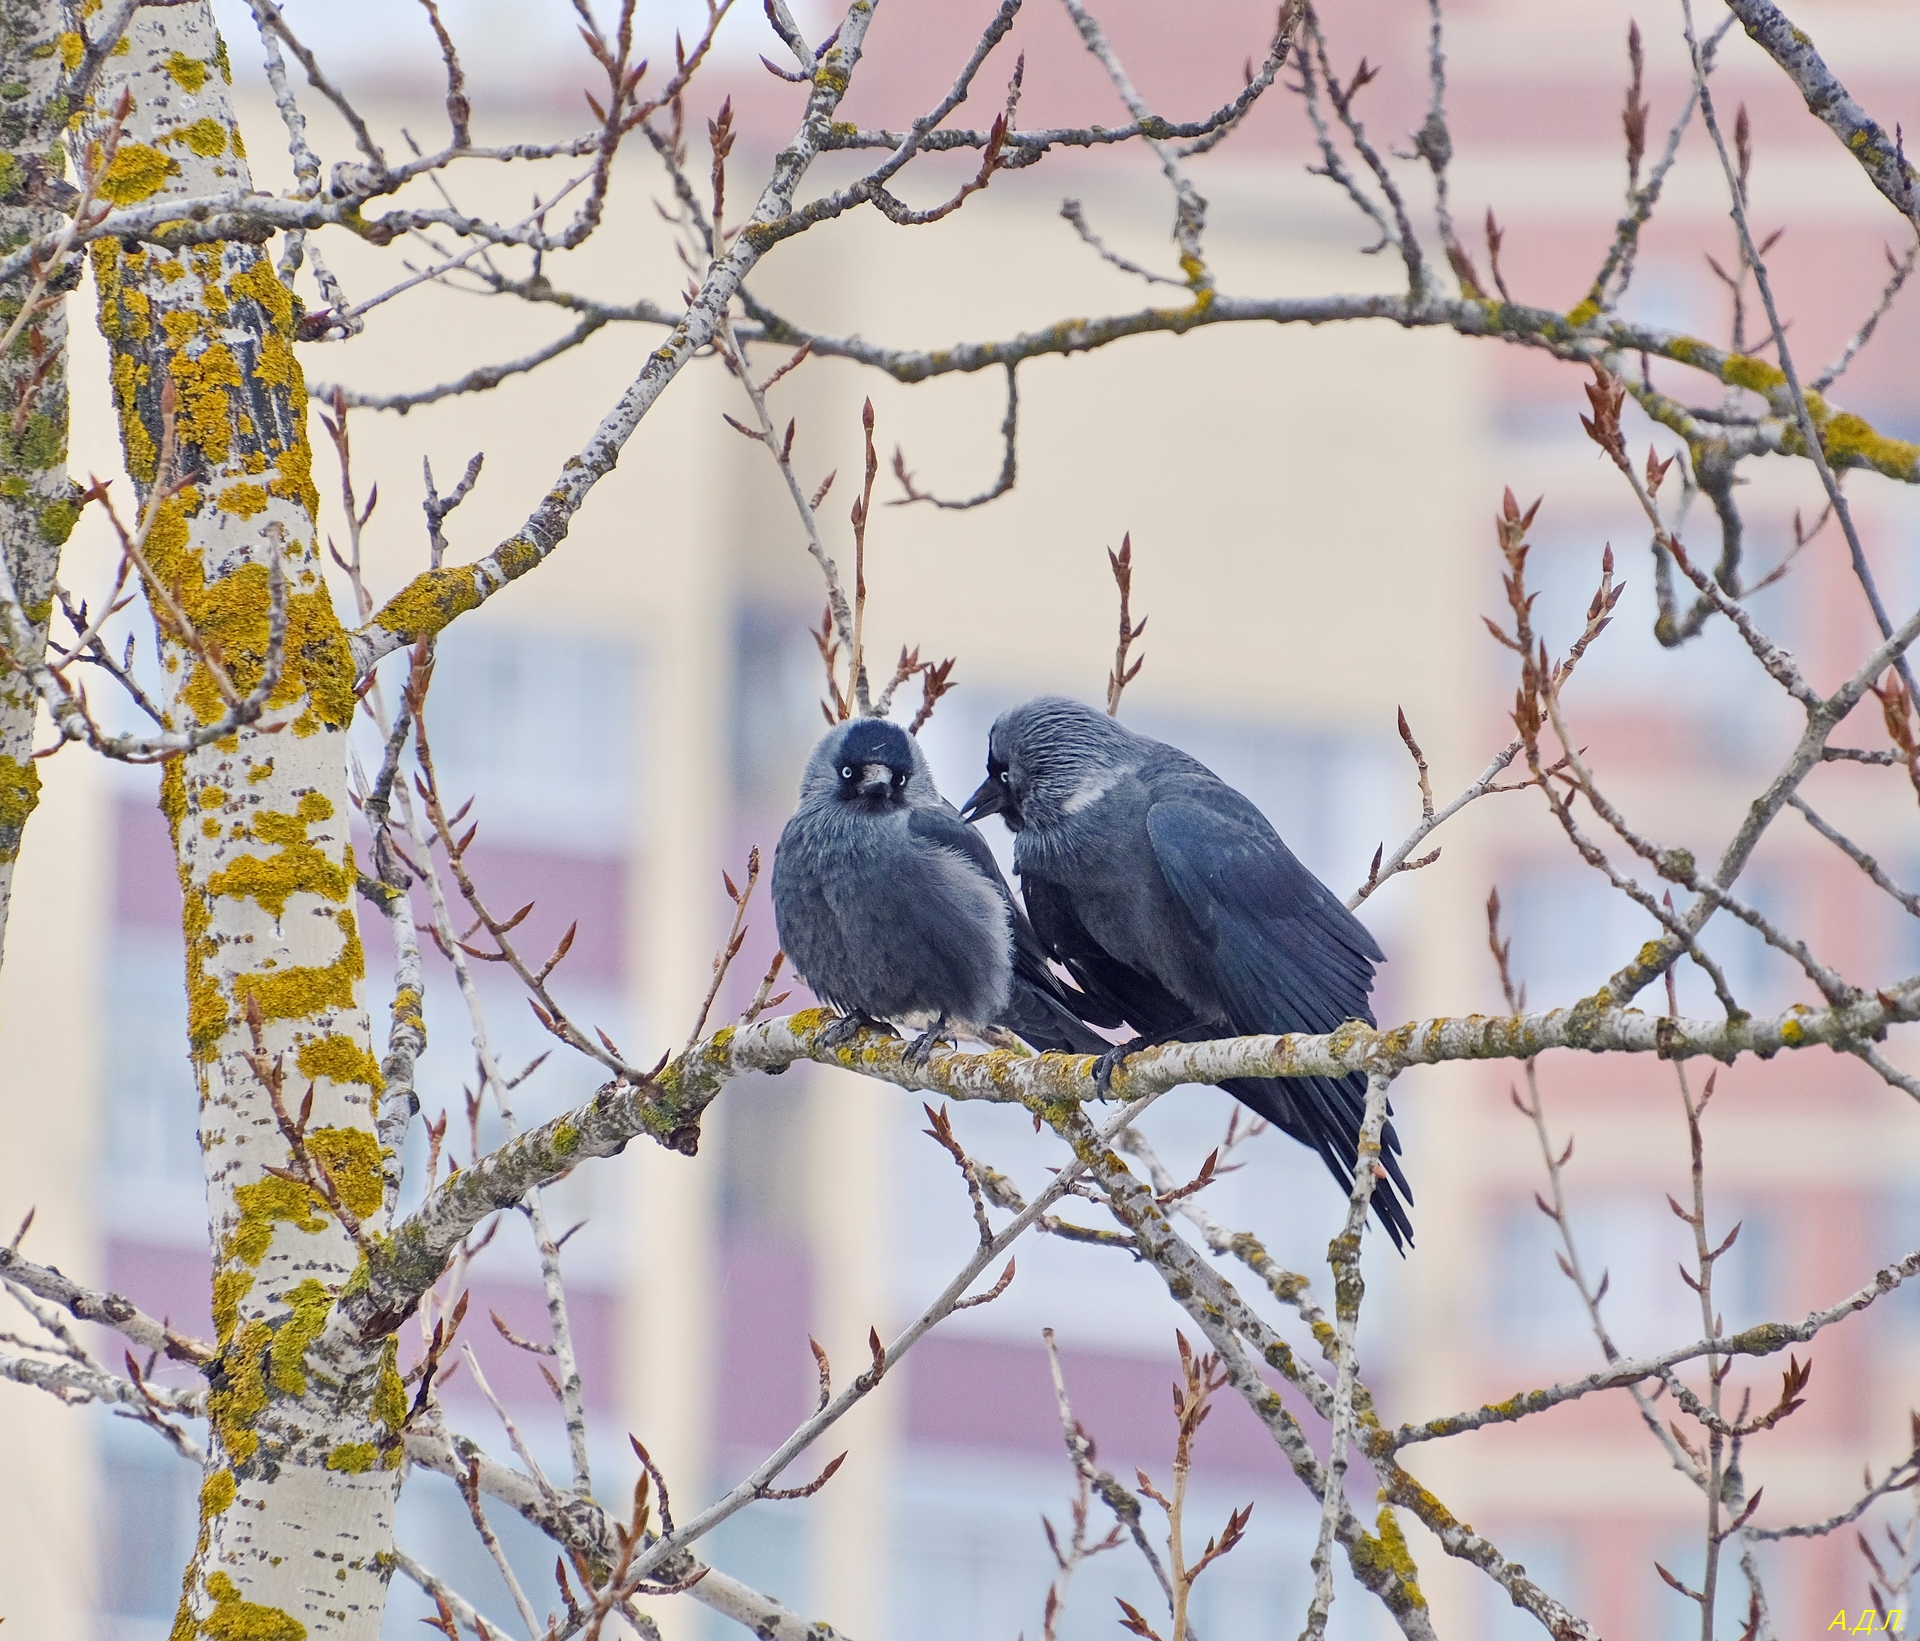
point(1311, 512)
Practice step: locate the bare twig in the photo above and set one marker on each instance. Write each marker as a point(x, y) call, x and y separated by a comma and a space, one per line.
point(1344, 1256)
point(730, 947)
point(1122, 674)
point(1811, 437)
point(1009, 463)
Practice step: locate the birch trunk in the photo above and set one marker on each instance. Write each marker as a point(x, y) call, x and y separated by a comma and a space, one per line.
point(36, 505)
point(296, 1524)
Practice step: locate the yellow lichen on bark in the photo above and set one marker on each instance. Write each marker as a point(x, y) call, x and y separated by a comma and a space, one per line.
point(297, 865)
point(189, 73)
point(235, 1619)
point(340, 1058)
point(429, 601)
point(138, 172)
point(19, 796)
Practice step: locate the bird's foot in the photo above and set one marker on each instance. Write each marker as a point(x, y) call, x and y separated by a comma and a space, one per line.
point(849, 1026)
point(920, 1050)
point(1109, 1063)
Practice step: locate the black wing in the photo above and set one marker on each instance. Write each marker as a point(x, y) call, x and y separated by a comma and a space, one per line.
point(1116, 990)
point(1041, 1009)
point(1286, 956)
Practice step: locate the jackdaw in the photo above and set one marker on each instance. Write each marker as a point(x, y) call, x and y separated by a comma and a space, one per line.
point(892, 908)
point(1171, 900)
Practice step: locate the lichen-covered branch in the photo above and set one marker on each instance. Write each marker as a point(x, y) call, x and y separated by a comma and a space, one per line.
point(1878, 154)
point(668, 1110)
point(1581, 336)
point(1764, 1339)
point(75, 1383)
point(1349, 1287)
point(1379, 1561)
point(108, 1309)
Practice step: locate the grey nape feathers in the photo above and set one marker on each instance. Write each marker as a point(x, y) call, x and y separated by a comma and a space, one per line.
point(892, 908)
point(1174, 904)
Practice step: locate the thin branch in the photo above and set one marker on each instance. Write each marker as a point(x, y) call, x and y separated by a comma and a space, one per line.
point(1344, 1256)
point(1898, 1479)
point(1433, 142)
point(470, 1491)
point(1763, 1339)
point(71, 1383)
point(267, 17)
point(499, 930)
point(456, 1606)
point(1828, 101)
point(1122, 674)
point(107, 1309)
point(1080, 1450)
point(1859, 856)
point(478, 380)
point(884, 1360)
point(582, 1525)
point(668, 1107)
point(1402, 235)
point(1810, 435)
point(781, 450)
point(1610, 284)
point(1399, 860)
point(1902, 268)
point(1072, 211)
point(730, 947)
point(1009, 463)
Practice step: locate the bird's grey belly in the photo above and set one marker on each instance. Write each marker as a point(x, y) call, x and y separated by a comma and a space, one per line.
point(902, 932)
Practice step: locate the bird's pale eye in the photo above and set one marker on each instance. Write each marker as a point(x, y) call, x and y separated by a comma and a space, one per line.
point(846, 772)
point(900, 778)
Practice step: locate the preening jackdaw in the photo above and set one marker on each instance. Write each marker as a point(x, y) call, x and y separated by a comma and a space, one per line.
point(1171, 900)
point(892, 908)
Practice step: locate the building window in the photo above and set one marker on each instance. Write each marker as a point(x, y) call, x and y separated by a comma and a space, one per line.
point(538, 728)
point(149, 1501)
point(152, 1105)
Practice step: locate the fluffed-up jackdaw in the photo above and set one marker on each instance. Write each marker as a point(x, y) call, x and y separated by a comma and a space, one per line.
point(892, 908)
point(1172, 901)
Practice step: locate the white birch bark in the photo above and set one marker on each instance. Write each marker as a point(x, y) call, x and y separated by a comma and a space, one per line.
point(36, 509)
point(296, 1528)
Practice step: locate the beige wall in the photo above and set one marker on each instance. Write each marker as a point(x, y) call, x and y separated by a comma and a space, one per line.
point(49, 1069)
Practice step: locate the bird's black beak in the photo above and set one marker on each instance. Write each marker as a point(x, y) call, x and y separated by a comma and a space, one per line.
point(990, 799)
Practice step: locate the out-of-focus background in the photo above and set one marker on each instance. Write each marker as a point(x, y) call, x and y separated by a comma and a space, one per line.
point(1311, 512)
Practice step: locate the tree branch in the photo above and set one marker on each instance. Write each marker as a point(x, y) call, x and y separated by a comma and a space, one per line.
point(1830, 102)
point(108, 1309)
